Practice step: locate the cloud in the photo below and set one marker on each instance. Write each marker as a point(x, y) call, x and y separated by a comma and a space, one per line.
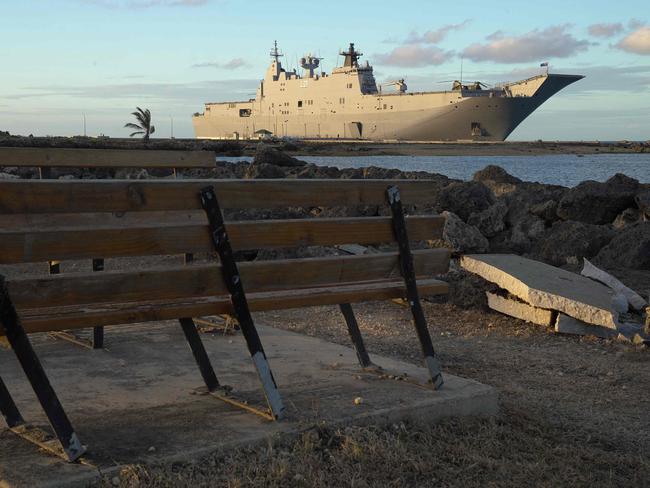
point(434, 36)
point(637, 42)
point(232, 64)
point(605, 30)
point(536, 45)
point(414, 55)
point(187, 93)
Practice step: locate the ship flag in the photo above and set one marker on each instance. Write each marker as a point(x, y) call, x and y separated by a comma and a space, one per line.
point(544, 64)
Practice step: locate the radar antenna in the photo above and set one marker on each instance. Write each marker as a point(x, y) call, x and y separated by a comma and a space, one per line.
point(351, 57)
point(275, 53)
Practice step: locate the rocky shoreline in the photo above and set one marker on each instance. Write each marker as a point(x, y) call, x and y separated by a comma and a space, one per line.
point(607, 223)
point(339, 147)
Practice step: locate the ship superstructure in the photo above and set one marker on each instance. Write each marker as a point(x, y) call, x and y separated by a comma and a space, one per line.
point(349, 104)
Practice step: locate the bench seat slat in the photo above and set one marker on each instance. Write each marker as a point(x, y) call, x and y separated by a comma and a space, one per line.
point(53, 319)
point(193, 236)
point(206, 280)
point(43, 196)
point(104, 158)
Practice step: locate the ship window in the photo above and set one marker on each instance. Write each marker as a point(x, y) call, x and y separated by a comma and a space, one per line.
point(385, 106)
point(299, 103)
point(231, 105)
point(244, 112)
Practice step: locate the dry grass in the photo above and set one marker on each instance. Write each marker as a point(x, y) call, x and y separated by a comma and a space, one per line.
point(574, 413)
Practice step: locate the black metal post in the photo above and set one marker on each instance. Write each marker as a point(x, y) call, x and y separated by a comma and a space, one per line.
point(36, 375)
point(200, 354)
point(8, 408)
point(355, 334)
point(98, 332)
point(408, 273)
point(235, 287)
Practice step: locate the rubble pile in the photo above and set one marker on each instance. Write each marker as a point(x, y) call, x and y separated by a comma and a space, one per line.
point(591, 303)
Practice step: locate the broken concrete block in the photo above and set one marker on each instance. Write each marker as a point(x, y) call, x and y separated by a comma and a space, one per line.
point(633, 298)
point(545, 286)
point(568, 325)
point(519, 310)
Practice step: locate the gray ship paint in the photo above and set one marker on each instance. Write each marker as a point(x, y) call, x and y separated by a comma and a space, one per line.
point(348, 104)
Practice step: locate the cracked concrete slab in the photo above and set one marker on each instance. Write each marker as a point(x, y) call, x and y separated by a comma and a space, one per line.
point(519, 310)
point(545, 286)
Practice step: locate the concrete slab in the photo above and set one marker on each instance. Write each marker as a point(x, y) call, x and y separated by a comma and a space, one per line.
point(519, 310)
point(547, 287)
point(632, 297)
point(133, 402)
point(568, 325)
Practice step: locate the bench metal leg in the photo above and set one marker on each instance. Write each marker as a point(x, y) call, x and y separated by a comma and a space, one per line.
point(8, 408)
point(98, 332)
point(355, 335)
point(408, 273)
point(200, 355)
point(238, 298)
point(38, 379)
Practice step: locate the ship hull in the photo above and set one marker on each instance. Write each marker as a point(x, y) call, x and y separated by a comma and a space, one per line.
point(432, 116)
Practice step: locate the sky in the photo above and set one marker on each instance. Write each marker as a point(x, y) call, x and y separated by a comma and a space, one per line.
point(65, 60)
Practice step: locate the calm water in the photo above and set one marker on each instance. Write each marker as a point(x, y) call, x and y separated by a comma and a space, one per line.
point(557, 169)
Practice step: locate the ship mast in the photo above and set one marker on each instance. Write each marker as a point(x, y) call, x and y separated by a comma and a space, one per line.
point(275, 53)
point(351, 57)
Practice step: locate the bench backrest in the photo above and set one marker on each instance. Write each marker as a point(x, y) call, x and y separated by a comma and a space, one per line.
point(104, 158)
point(65, 220)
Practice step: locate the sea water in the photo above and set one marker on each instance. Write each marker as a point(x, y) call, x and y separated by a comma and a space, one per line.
point(555, 169)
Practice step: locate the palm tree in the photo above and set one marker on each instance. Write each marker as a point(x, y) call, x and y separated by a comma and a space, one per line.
point(145, 128)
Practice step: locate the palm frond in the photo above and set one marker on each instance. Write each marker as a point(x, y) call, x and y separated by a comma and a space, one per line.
point(152, 130)
point(133, 126)
point(136, 133)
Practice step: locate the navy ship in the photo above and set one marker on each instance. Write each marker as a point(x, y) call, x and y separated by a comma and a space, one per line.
point(349, 104)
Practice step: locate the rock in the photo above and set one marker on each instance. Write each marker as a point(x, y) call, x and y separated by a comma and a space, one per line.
point(631, 297)
point(463, 237)
point(491, 220)
point(265, 154)
point(568, 325)
point(467, 290)
point(464, 198)
point(525, 232)
point(570, 242)
point(264, 170)
point(546, 211)
point(497, 180)
point(642, 201)
point(598, 203)
point(545, 286)
point(629, 249)
point(519, 309)
point(131, 174)
point(7, 176)
point(496, 174)
point(627, 217)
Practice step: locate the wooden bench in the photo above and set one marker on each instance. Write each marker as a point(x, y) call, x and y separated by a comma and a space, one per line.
point(45, 159)
point(41, 220)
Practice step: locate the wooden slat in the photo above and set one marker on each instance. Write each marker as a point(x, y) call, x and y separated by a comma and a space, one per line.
point(104, 158)
point(192, 236)
point(206, 280)
point(43, 320)
point(34, 196)
point(28, 222)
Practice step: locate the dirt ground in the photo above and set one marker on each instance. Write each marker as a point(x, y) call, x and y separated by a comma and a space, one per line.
point(574, 412)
